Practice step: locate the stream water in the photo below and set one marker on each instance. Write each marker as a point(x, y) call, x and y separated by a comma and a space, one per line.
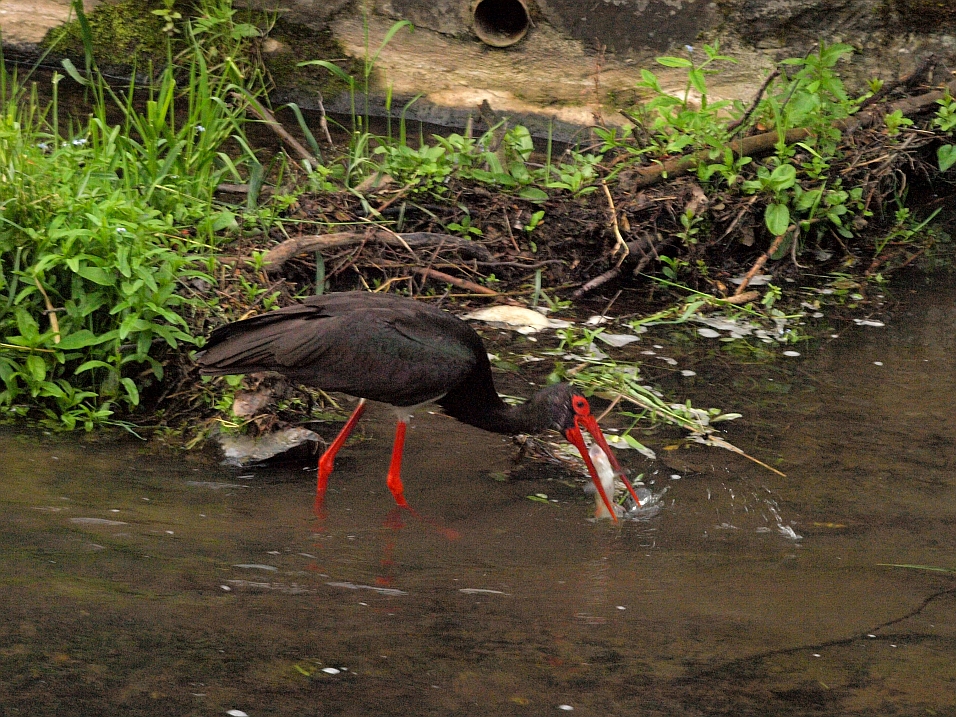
point(136, 581)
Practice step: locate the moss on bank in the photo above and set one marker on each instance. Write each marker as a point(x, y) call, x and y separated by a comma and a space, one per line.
point(129, 34)
point(122, 33)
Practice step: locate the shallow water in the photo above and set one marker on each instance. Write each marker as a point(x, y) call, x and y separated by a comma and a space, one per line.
point(136, 581)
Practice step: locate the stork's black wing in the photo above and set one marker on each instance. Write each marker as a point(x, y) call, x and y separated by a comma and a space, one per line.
point(381, 347)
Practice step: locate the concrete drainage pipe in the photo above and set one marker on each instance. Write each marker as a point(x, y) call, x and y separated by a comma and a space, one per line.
point(500, 23)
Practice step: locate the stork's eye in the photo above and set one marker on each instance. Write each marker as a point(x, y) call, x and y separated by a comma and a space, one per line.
point(580, 405)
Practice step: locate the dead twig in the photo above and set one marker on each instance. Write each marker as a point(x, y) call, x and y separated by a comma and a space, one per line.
point(455, 281)
point(323, 122)
point(736, 126)
point(620, 246)
point(758, 265)
point(272, 123)
point(50, 311)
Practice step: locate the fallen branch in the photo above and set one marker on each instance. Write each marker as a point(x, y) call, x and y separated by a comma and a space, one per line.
point(276, 257)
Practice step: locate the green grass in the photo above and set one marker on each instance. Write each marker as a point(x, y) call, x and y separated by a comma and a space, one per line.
point(104, 227)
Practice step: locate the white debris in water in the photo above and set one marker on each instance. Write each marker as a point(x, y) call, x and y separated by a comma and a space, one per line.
point(708, 333)
point(212, 485)
point(512, 317)
point(618, 340)
point(286, 589)
point(687, 372)
point(236, 713)
point(869, 322)
point(621, 607)
point(226, 588)
point(877, 363)
point(255, 566)
point(566, 708)
point(373, 588)
point(243, 450)
point(96, 521)
point(675, 476)
point(755, 280)
point(791, 353)
point(331, 671)
point(481, 591)
point(596, 320)
point(668, 360)
point(648, 353)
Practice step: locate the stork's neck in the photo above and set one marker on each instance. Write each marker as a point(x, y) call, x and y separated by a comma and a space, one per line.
point(544, 410)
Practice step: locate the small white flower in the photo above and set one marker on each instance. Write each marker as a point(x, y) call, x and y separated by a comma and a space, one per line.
point(200, 128)
point(79, 142)
point(689, 48)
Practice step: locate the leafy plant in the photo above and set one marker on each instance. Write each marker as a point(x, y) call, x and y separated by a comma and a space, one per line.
point(464, 227)
point(676, 124)
point(102, 232)
point(895, 121)
point(945, 121)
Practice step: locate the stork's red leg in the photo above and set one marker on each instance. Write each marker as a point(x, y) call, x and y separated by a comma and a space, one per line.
point(327, 461)
point(394, 479)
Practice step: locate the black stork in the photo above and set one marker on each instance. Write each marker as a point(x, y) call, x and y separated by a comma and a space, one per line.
point(402, 352)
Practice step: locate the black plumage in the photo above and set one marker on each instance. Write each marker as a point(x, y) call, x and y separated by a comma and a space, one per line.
point(394, 350)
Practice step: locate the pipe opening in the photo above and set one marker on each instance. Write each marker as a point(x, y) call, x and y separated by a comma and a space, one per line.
point(500, 23)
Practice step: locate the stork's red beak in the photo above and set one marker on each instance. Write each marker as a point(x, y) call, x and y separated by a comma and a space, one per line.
point(583, 418)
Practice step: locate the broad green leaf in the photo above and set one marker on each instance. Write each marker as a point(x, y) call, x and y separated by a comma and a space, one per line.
point(946, 156)
point(89, 365)
point(777, 218)
point(97, 275)
point(36, 366)
point(131, 391)
point(668, 61)
point(783, 177)
point(224, 220)
point(78, 340)
point(533, 194)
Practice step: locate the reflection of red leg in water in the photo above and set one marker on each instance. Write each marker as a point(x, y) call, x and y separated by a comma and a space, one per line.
point(395, 521)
